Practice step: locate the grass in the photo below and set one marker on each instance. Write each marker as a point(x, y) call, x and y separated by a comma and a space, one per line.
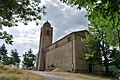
point(10, 73)
point(81, 75)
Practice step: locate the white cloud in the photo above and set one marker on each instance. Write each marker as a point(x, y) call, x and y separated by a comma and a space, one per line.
point(63, 18)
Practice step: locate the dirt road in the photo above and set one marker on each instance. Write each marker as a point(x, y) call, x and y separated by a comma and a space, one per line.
point(48, 76)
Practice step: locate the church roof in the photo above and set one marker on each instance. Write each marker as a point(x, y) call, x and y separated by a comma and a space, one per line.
point(47, 24)
point(75, 32)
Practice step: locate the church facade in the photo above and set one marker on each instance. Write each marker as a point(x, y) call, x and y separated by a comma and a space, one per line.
point(66, 53)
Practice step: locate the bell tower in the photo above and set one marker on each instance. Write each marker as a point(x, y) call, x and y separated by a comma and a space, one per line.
point(45, 41)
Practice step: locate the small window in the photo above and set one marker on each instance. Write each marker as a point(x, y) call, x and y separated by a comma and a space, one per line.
point(48, 32)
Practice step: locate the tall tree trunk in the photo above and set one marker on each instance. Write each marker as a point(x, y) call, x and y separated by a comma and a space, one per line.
point(105, 57)
point(106, 65)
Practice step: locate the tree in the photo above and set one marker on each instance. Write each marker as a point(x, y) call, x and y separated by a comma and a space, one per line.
point(15, 58)
point(115, 58)
point(7, 37)
point(3, 55)
point(93, 54)
point(29, 60)
point(14, 11)
point(100, 52)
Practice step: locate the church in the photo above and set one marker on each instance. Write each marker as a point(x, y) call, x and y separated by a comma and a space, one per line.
point(66, 53)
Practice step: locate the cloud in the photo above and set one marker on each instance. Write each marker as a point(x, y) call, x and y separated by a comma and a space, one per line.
point(63, 18)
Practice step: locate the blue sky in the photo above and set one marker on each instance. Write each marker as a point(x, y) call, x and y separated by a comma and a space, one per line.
point(63, 18)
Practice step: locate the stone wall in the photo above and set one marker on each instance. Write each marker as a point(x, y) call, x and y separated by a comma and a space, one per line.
point(80, 62)
point(59, 55)
point(67, 53)
point(60, 42)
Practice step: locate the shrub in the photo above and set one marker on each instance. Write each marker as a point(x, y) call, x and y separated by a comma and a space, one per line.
point(4, 78)
point(115, 71)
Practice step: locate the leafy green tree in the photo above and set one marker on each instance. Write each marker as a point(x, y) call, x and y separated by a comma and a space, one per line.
point(3, 55)
point(115, 58)
point(7, 37)
point(14, 11)
point(99, 51)
point(29, 60)
point(93, 54)
point(15, 58)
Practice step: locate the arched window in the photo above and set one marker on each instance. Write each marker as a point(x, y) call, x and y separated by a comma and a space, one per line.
point(48, 32)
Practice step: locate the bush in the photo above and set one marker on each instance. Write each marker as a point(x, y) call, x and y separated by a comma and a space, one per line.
point(115, 71)
point(4, 78)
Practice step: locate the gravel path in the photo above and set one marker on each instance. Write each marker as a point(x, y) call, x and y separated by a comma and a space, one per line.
point(52, 77)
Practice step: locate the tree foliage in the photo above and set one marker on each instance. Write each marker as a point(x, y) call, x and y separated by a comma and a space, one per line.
point(99, 51)
point(93, 54)
point(14, 11)
point(7, 37)
point(29, 60)
point(3, 55)
point(15, 58)
point(115, 58)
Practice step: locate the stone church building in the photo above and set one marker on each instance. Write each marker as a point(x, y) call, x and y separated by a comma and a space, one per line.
point(66, 53)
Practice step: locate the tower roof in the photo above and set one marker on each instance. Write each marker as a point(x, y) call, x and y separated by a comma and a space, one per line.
point(47, 24)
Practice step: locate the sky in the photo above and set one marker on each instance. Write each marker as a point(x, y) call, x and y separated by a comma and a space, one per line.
point(63, 18)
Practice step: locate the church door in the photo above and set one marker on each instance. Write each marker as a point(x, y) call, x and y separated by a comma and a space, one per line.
point(90, 68)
